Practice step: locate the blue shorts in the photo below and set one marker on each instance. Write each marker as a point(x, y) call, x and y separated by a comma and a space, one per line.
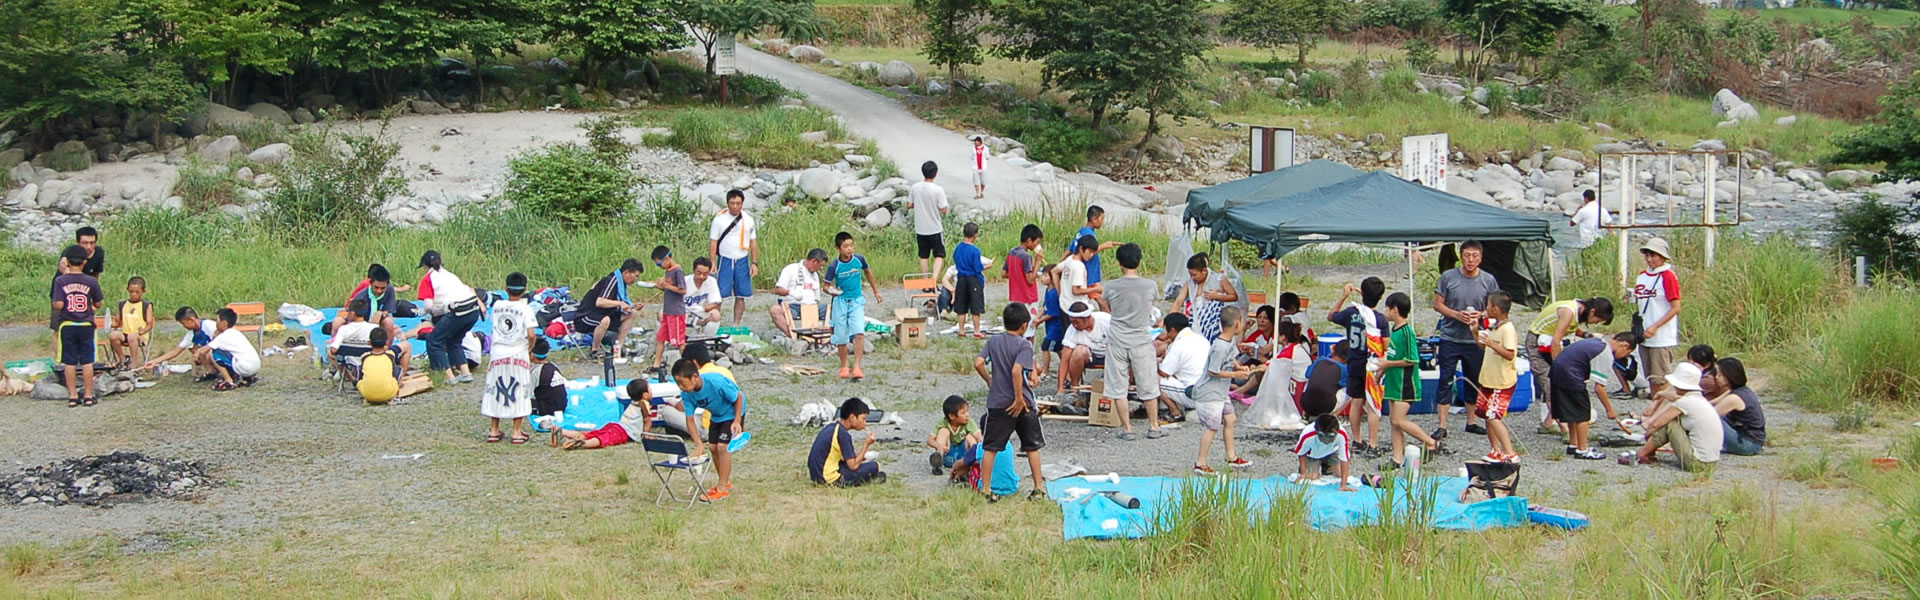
point(1056, 335)
point(959, 455)
point(224, 359)
point(849, 319)
point(736, 277)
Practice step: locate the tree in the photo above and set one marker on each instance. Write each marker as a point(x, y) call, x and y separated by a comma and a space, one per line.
point(61, 58)
point(1271, 24)
point(380, 37)
point(953, 32)
point(1515, 27)
point(1894, 140)
point(713, 20)
point(1102, 53)
point(605, 32)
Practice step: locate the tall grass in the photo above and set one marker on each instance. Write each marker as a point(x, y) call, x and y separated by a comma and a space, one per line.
point(1867, 351)
point(208, 260)
point(763, 137)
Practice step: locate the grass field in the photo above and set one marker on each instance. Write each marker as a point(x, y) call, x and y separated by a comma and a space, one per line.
point(1824, 15)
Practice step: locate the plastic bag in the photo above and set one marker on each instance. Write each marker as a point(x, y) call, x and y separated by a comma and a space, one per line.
point(1179, 249)
point(1239, 283)
point(306, 316)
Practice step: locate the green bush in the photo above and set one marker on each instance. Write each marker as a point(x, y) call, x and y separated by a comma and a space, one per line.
point(1357, 85)
point(1400, 82)
point(1318, 87)
point(335, 181)
point(1499, 98)
point(1421, 54)
point(570, 183)
point(203, 187)
point(1864, 352)
point(1066, 143)
point(754, 89)
point(1882, 232)
point(603, 136)
point(1412, 16)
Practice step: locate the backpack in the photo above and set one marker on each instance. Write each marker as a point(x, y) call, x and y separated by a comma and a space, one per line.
point(1490, 480)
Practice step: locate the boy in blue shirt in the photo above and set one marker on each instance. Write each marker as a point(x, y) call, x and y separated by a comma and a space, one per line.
point(970, 284)
point(1365, 327)
point(721, 398)
point(1054, 318)
point(850, 304)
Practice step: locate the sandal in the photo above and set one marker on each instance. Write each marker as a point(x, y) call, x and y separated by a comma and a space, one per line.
point(1037, 494)
point(573, 444)
point(73, 403)
point(89, 401)
point(493, 438)
point(223, 386)
point(519, 439)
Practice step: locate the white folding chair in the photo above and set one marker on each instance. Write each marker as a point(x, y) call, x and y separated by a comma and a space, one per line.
point(667, 455)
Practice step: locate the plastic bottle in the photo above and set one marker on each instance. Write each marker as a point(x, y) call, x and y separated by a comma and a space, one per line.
point(1412, 468)
point(606, 364)
point(1122, 499)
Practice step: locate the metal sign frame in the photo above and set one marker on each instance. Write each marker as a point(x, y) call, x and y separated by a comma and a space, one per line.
point(1630, 168)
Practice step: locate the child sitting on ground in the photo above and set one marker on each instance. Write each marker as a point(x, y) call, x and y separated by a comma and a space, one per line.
point(199, 333)
point(631, 426)
point(1326, 446)
point(1210, 397)
point(1401, 375)
point(132, 325)
point(954, 440)
point(833, 459)
point(233, 358)
point(1499, 374)
point(721, 398)
point(549, 386)
point(379, 370)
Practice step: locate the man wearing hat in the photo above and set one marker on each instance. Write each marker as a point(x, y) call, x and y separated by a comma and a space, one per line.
point(1656, 294)
point(1689, 424)
point(1085, 344)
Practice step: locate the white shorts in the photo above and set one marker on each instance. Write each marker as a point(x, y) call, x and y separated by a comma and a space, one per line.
point(1179, 395)
point(979, 177)
point(1212, 415)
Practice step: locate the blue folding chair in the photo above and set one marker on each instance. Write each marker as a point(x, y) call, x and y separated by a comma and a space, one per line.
point(668, 456)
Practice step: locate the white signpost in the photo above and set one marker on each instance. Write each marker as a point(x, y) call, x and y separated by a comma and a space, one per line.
point(723, 63)
point(1423, 160)
point(1272, 148)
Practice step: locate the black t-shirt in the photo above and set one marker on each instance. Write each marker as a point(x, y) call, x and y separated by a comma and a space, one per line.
point(82, 296)
point(381, 303)
point(96, 263)
point(1751, 421)
point(1328, 378)
point(609, 287)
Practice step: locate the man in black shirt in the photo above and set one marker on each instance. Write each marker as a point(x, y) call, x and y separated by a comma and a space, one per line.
point(607, 311)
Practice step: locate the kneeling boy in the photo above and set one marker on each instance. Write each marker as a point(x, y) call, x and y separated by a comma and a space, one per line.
point(955, 440)
point(1326, 445)
point(233, 358)
point(379, 370)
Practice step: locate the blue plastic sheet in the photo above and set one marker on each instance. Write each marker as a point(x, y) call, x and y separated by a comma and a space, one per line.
point(1327, 507)
point(418, 347)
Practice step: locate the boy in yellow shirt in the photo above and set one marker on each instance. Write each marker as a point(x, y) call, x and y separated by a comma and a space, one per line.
point(1499, 373)
point(379, 371)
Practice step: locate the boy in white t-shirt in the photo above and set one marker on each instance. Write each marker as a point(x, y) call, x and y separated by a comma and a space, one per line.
point(199, 333)
point(799, 286)
point(233, 358)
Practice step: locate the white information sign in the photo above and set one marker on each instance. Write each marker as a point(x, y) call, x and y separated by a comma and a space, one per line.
point(1423, 159)
point(1271, 148)
point(723, 63)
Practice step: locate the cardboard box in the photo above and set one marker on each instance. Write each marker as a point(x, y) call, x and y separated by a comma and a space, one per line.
point(912, 331)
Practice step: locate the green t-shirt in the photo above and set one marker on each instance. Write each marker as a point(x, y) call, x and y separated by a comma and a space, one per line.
point(958, 435)
point(1403, 383)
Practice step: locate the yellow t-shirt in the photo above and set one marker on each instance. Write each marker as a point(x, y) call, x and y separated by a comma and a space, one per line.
point(715, 368)
point(1498, 373)
point(133, 318)
point(377, 384)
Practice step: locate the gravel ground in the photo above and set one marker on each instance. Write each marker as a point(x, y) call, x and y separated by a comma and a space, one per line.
point(294, 454)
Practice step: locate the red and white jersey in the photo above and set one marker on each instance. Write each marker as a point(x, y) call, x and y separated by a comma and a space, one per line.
point(1311, 447)
point(1654, 293)
point(980, 156)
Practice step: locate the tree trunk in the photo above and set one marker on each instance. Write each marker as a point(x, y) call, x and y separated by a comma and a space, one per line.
point(1099, 113)
point(1153, 124)
point(1303, 54)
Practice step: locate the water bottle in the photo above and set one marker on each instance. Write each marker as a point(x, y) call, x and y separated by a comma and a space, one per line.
point(1122, 499)
point(1412, 468)
point(606, 365)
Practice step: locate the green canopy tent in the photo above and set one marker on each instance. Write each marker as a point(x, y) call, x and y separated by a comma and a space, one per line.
point(1208, 204)
point(1379, 208)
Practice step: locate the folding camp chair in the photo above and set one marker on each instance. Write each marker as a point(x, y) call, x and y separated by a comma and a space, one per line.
point(252, 309)
point(816, 334)
point(922, 289)
point(667, 455)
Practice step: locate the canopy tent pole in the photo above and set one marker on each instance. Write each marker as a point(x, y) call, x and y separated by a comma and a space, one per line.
point(1279, 287)
point(1411, 250)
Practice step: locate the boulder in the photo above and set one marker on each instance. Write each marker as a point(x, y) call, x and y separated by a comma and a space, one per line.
point(711, 193)
point(303, 116)
point(270, 113)
point(880, 217)
point(830, 62)
point(852, 191)
point(819, 183)
point(436, 213)
point(12, 156)
point(814, 137)
point(1709, 146)
point(776, 46)
point(1612, 148)
point(215, 116)
point(865, 67)
point(427, 107)
point(222, 150)
point(806, 54)
point(271, 154)
point(27, 196)
point(1786, 121)
point(131, 189)
point(53, 192)
point(898, 73)
point(1459, 186)
point(1451, 89)
point(23, 172)
point(1556, 182)
point(935, 87)
point(70, 155)
point(1165, 147)
point(1729, 105)
point(1845, 176)
point(1564, 164)
point(1479, 94)
point(1602, 128)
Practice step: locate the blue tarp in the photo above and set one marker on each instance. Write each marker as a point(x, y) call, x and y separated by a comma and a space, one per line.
point(1327, 507)
point(418, 347)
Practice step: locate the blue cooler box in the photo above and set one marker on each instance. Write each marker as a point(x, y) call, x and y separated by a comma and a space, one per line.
point(1429, 380)
point(1326, 343)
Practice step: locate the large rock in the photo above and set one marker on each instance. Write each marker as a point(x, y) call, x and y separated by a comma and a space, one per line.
point(1786, 121)
point(12, 156)
point(23, 172)
point(223, 149)
point(1459, 186)
point(70, 155)
point(427, 107)
point(806, 54)
point(1165, 147)
point(819, 183)
point(898, 73)
point(1729, 105)
point(1451, 89)
point(711, 193)
point(302, 115)
point(1564, 164)
point(25, 197)
point(52, 193)
point(215, 117)
point(270, 113)
point(271, 154)
point(880, 217)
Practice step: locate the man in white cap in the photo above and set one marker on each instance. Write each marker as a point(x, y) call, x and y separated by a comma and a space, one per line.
point(1656, 294)
point(1689, 424)
point(1085, 344)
